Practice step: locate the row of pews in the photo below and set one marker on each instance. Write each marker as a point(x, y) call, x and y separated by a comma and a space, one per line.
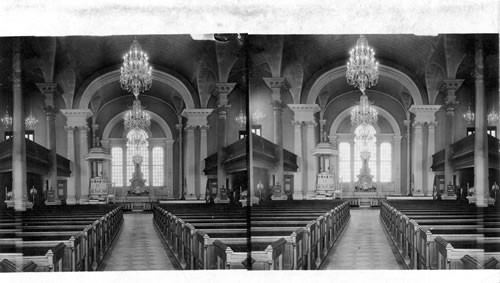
point(51, 239)
point(290, 235)
point(443, 234)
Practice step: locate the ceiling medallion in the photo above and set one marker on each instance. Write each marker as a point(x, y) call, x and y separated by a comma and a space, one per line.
point(136, 73)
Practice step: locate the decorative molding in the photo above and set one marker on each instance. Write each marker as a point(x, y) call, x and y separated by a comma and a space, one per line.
point(222, 110)
point(425, 113)
point(384, 71)
point(304, 112)
point(274, 82)
point(196, 117)
point(451, 85)
point(114, 76)
point(224, 87)
point(76, 117)
point(118, 118)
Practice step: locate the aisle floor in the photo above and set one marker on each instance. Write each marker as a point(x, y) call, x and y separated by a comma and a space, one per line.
point(363, 245)
point(138, 247)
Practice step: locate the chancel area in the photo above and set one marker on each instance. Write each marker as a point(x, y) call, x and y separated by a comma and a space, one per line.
point(253, 152)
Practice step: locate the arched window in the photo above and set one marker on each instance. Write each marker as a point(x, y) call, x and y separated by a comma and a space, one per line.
point(385, 162)
point(117, 166)
point(345, 162)
point(157, 166)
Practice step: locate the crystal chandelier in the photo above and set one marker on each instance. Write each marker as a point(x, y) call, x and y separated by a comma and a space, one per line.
point(493, 117)
point(136, 117)
point(362, 69)
point(136, 72)
point(136, 138)
point(469, 115)
point(30, 121)
point(364, 112)
point(6, 119)
point(364, 136)
point(257, 117)
point(241, 119)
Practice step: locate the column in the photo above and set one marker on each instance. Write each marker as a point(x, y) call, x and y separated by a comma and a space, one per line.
point(275, 84)
point(19, 142)
point(49, 90)
point(182, 191)
point(377, 164)
point(124, 171)
point(169, 168)
point(304, 113)
point(431, 149)
point(298, 192)
point(481, 137)
point(223, 91)
point(417, 159)
point(424, 115)
point(396, 162)
point(312, 162)
point(190, 163)
point(203, 155)
point(408, 184)
point(84, 165)
point(71, 192)
point(451, 87)
point(150, 169)
point(77, 119)
point(197, 118)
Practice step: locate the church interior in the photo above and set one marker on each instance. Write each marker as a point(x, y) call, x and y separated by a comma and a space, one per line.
point(253, 152)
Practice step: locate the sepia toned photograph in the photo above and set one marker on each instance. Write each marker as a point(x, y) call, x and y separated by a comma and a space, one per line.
point(245, 151)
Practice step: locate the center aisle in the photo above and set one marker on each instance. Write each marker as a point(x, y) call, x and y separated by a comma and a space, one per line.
point(363, 245)
point(138, 247)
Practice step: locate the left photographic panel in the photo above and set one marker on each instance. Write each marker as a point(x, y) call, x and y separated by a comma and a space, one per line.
point(123, 153)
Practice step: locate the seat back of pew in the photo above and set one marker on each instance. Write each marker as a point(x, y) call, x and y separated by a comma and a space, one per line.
point(52, 261)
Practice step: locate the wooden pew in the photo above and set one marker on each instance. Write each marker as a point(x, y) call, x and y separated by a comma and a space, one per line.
point(52, 260)
point(8, 266)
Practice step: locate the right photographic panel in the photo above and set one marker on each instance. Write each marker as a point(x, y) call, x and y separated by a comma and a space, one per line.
point(373, 151)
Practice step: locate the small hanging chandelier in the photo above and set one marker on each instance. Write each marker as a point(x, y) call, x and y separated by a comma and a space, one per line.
point(364, 112)
point(469, 115)
point(136, 117)
point(6, 119)
point(493, 117)
point(241, 119)
point(362, 69)
point(30, 122)
point(257, 117)
point(136, 73)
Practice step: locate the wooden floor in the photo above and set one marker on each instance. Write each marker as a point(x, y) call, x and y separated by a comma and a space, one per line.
point(138, 246)
point(363, 245)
